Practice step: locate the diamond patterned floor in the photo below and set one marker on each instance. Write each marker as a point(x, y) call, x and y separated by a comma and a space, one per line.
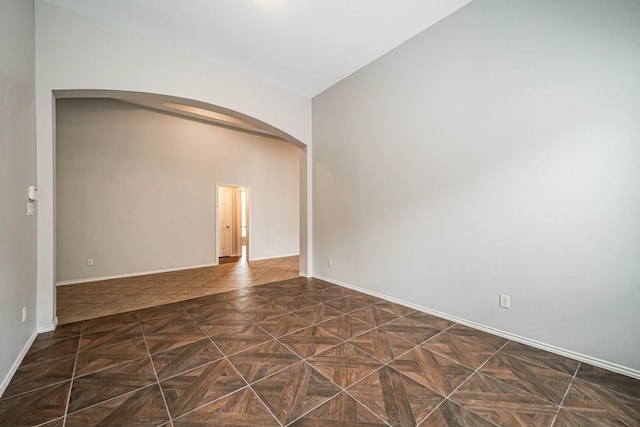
point(302, 352)
point(90, 300)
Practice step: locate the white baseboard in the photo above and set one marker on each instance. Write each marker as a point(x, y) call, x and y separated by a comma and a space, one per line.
point(16, 364)
point(140, 273)
point(144, 273)
point(513, 337)
point(48, 328)
point(272, 257)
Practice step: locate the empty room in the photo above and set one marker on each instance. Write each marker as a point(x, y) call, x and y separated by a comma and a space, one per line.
point(138, 191)
point(319, 212)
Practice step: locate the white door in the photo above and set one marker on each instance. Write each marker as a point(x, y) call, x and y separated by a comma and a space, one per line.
point(224, 213)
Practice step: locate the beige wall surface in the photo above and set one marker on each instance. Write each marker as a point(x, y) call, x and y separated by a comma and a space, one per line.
point(512, 129)
point(17, 172)
point(136, 189)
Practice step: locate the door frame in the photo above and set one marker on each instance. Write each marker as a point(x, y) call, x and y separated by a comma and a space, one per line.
point(217, 218)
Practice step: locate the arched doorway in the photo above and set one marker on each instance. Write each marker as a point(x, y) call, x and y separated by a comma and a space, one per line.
point(221, 116)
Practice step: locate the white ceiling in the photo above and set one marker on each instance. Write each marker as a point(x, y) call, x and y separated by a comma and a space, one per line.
point(302, 45)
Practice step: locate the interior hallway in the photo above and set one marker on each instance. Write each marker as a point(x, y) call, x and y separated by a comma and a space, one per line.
point(95, 299)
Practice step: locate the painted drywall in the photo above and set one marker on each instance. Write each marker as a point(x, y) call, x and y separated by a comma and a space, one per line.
point(17, 172)
point(136, 189)
point(496, 152)
point(76, 52)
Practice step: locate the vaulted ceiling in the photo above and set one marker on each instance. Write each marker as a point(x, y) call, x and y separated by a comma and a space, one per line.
point(302, 45)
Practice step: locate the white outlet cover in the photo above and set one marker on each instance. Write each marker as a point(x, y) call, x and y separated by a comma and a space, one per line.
point(505, 301)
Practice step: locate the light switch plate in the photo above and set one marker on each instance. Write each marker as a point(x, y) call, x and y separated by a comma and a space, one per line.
point(33, 192)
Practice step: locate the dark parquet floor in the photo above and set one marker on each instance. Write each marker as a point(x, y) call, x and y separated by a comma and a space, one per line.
point(302, 352)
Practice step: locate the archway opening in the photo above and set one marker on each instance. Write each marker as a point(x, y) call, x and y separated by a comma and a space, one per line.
point(171, 109)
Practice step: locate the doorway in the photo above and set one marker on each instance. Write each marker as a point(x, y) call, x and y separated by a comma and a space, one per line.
point(232, 223)
point(46, 145)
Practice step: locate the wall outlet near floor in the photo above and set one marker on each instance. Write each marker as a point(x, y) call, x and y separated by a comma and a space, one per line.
point(330, 261)
point(505, 301)
point(90, 261)
point(24, 314)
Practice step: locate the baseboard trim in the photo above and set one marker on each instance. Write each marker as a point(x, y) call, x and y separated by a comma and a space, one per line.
point(47, 328)
point(120, 276)
point(16, 364)
point(272, 257)
point(633, 373)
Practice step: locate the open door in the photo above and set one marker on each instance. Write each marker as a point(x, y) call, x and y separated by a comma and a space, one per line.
point(233, 221)
point(224, 226)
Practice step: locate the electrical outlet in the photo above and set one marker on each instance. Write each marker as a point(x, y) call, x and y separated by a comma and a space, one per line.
point(29, 208)
point(330, 262)
point(24, 314)
point(90, 261)
point(505, 301)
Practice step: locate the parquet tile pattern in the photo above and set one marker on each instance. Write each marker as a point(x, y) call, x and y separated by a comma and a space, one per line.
point(457, 349)
point(341, 411)
point(143, 407)
point(450, 414)
point(602, 406)
point(301, 352)
point(374, 315)
point(242, 408)
point(344, 364)
point(382, 345)
point(178, 360)
point(283, 325)
point(543, 382)
point(310, 341)
point(410, 330)
point(295, 391)
point(503, 403)
point(432, 370)
point(103, 385)
point(345, 326)
point(317, 313)
point(200, 386)
point(263, 360)
point(395, 398)
point(542, 358)
point(97, 299)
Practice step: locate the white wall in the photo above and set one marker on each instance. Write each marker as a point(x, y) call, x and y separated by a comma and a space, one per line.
point(76, 52)
point(497, 152)
point(136, 189)
point(17, 172)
